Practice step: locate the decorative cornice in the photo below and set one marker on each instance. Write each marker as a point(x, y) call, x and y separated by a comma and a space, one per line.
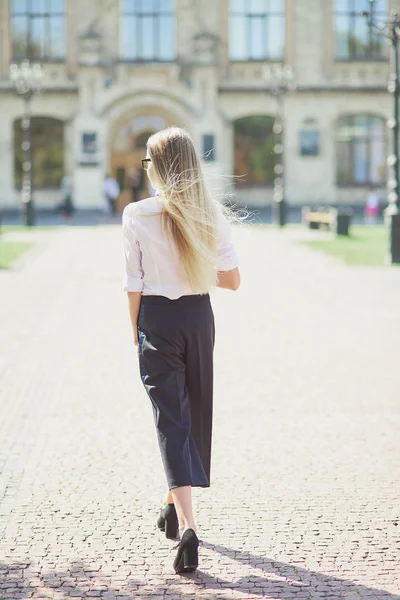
point(306, 89)
point(53, 90)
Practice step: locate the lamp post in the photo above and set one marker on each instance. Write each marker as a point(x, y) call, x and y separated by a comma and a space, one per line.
point(391, 30)
point(280, 81)
point(26, 80)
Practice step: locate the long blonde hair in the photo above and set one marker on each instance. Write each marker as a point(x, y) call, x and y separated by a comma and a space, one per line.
point(189, 213)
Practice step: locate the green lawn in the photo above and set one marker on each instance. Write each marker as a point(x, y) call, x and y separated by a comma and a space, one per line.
point(24, 228)
point(12, 251)
point(367, 246)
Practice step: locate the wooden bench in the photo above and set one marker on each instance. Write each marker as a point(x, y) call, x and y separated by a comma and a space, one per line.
point(329, 218)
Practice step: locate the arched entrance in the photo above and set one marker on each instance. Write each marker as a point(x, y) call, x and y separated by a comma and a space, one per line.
point(132, 117)
point(128, 147)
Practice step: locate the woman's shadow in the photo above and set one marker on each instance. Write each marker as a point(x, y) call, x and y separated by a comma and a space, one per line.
point(280, 581)
point(285, 581)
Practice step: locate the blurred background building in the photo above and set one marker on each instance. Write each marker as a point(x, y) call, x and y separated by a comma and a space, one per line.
point(115, 71)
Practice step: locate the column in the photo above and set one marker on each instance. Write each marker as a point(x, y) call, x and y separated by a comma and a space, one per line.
point(9, 198)
point(329, 36)
point(223, 52)
point(394, 6)
point(5, 38)
point(290, 33)
point(72, 41)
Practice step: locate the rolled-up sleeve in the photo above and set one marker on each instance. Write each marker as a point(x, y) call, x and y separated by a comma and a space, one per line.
point(227, 257)
point(133, 276)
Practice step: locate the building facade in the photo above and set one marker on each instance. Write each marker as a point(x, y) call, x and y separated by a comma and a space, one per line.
point(118, 70)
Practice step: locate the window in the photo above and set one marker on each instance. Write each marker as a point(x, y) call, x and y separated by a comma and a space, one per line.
point(38, 29)
point(147, 30)
point(256, 29)
point(47, 140)
point(89, 143)
point(355, 39)
point(361, 149)
point(254, 151)
point(309, 142)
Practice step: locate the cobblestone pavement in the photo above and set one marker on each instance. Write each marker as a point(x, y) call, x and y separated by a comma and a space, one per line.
point(304, 502)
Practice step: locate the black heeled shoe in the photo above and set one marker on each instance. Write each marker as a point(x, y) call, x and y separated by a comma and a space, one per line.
point(168, 522)
point(187, 559)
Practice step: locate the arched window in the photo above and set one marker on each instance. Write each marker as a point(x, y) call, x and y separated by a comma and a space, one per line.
point(361, 142)
point(47, 142)
point(254, 150)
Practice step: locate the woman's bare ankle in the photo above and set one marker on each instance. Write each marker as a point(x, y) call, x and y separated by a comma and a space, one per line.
point(185, 526)
point(168, 499)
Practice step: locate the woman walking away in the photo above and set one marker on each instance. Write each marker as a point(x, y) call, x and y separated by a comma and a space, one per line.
point(177, 248)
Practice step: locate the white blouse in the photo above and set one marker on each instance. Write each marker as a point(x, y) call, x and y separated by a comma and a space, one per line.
point(152, 264)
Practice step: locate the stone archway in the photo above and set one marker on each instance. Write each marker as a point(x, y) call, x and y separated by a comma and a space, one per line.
point(127, 146)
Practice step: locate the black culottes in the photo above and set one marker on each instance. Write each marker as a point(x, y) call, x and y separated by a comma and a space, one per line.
point(176, 343)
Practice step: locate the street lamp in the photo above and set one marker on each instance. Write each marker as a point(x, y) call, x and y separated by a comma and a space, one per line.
point(391, 30)
point(26, 79)
point(280, 81)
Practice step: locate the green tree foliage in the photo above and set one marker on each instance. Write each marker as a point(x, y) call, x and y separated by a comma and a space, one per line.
point(254, 150)
point(47, 152)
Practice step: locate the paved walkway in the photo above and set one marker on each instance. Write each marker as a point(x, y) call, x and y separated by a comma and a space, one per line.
point(306, 479)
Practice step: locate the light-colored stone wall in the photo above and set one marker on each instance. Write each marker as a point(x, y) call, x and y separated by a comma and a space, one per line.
point(309, 42)
point(313, 179)
point(203, 91)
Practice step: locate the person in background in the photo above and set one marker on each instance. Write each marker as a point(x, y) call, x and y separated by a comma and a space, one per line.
point(111, 193)
point(371, 207)
point(135, 183)
point(66, 207)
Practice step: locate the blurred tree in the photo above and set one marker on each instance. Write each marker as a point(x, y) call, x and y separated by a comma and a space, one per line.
point(47, 152)
point(254, 150)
